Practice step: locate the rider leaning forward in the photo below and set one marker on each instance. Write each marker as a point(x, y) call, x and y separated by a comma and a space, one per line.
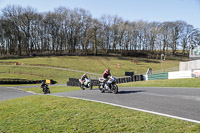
point(105, 75)
point(83, 78)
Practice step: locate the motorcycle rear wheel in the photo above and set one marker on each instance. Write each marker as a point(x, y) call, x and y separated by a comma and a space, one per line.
point(91, 86)
point(101, 89)
point(48, 91)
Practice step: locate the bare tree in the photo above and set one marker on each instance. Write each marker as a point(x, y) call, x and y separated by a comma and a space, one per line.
point(24, 31)
point(115, 31)
point(165, 36)
point(95, 35)
point(186, 36)
point(141, 28)
point(11, 15)
point(106, 22)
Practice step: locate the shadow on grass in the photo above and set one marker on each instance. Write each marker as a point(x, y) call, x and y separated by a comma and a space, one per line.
point(126, 92)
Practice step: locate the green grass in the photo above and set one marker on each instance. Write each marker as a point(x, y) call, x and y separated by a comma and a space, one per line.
point(53, 89)
point(43, 113)
point(21, 72)
point(190, 82)
point(93, 64)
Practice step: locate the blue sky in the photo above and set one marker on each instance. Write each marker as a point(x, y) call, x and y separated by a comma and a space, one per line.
point(132, 10)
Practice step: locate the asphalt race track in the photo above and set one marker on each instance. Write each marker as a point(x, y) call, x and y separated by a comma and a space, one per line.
point(180, 103)
point(7, 93)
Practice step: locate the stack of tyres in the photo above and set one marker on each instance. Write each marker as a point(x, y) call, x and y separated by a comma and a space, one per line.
point(132, 78)
point(75, 82)
point(19, 81)
point(95, 82)
point(129, 73)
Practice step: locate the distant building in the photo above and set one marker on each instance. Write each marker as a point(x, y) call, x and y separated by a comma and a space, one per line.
point(194, 52)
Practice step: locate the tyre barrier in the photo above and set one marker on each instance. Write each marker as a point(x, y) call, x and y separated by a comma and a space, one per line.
point(70, 83)
point(133, 78)
point(129, 73)
point(24, 81)
point(75, 82)
point(9, 81)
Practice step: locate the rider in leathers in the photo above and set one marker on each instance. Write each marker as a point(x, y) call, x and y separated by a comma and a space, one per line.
point(105, 75)
point(83, 78)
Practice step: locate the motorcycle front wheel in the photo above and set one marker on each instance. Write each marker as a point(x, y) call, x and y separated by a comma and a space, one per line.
point(114, 89)
point(82, 87)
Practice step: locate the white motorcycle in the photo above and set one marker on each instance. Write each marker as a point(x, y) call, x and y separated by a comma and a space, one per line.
point(109, 85)
point(87, 84)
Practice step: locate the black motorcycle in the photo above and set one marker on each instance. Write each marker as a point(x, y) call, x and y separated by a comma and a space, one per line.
point(45, 88)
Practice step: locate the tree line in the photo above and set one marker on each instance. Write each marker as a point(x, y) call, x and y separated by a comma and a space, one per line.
point(69, 31)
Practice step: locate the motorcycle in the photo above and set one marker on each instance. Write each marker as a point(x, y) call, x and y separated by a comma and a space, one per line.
point(45, 88)
point(109, 85)
point(87, 84)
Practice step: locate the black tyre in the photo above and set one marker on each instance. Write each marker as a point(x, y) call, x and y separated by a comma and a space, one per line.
point(44, 90)
point(82, 87)
point(91, 86)
point(48, 91)
point(114, 89)
point(101, 89)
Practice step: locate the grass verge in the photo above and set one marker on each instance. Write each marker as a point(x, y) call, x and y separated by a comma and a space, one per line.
point(21, 72)
point(93, 64)
point(41, 113)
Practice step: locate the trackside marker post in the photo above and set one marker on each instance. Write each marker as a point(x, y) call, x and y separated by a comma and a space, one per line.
point(118, 66)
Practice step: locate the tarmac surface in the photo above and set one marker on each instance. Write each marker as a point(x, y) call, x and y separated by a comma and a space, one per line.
point(179, 103)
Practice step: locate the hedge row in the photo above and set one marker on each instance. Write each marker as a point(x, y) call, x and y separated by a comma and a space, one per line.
point(133, 78)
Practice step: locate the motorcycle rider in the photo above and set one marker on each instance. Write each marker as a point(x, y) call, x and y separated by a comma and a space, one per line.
point(105, 75)
point(83, 78)
point(43, 85)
